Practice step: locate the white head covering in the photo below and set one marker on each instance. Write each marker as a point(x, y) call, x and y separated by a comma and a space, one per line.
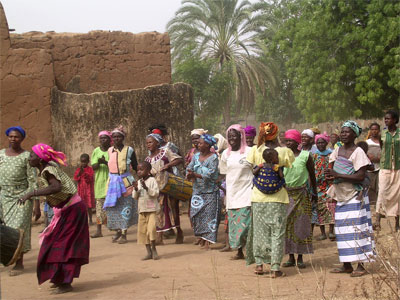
point(308, 132)
point(222, 143)
point(199, 131)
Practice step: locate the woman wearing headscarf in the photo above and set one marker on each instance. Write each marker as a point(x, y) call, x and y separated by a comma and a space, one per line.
point(266, 237)
point(65, 242)
point(162, 160)
point(205, 206)
point(222, 143)
point(307, 141)
point(353, 226)
point(195, 135)
point(251, 133)
point(17, 178)
point(326, 205)
point(239, 177)
point(298, 228)
point(100, 166)
point(119, 205)
point(388, 203)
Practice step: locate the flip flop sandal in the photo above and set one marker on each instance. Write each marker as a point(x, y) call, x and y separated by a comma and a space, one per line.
point(95, 236)
point(289, 264)
point(273, 276)
point(301, 265)
point(341, 271)
point(332, 237)
point(321, 238)
point(356, 273)
point(259, 272)
point(236, 257)
point(15, 272)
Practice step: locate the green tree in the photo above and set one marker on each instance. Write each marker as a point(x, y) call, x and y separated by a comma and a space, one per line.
point(342, 56)
point(224, 33)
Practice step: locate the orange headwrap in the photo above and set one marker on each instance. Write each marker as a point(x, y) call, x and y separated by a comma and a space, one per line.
point(268, 132)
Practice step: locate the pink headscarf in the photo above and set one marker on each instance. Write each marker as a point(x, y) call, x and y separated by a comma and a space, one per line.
point(243, 144)
point(47, 153)
point(105, 132)
point(250, 131)
point(293, 134)
point(323, 136)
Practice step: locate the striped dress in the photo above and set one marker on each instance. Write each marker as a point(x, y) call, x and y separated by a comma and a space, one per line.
point(353, 226)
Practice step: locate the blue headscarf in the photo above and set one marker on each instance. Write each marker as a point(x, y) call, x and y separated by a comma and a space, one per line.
point(16, 128)
point(353, 126)
point(209, 139)
point(156, 136)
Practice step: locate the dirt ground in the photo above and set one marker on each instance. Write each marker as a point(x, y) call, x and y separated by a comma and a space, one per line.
point(184, 272)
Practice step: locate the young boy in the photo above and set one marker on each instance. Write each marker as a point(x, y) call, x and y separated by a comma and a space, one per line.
point(84, 176)
point(268, 177)
point(146, 192)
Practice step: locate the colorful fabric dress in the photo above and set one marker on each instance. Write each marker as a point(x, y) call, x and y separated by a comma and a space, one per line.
point(16, 179)
point(100, 184)
point(85, 185)
point(65, 242)
point(389, 175)
point(266, 237)
point(119, 205)
point(353, 225)
point(205, 206)
point(165, 215)
point(298, 227)
point(238, 194)
point(326, 205)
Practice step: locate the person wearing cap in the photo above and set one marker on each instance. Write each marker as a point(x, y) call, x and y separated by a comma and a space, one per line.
point(65, 242)
point(17, 178)
point(100, 166)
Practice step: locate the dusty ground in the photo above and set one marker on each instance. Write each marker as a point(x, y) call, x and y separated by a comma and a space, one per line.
point(184, 272)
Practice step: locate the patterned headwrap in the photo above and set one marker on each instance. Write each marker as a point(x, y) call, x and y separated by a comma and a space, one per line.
point(316, 130)
point(120, 129)
point(268, 132)
point(16, 128)
point(199, 131)
point(157, 131)
point(294, 135)
point(353, 126)
point(250, 131)
point(242, 133)
point(308, 132)
point(156, 136)
point(209, 139)
point(323, 136)
point(47, 153)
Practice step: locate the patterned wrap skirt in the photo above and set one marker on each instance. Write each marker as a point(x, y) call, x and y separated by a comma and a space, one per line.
point(298, 227)
point(123, 215)
point(239, 221)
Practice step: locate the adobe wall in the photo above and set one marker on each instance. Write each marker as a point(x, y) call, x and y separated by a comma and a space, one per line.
point(77, 118)
point(26, 80)
point(101, 61)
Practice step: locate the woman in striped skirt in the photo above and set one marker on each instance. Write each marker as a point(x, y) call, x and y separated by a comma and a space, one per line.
point(353, 227)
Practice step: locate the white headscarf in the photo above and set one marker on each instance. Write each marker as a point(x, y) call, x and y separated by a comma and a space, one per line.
point(199, 131)
point(308, 132)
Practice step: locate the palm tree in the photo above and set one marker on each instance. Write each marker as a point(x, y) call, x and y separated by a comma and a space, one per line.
point(226, 32)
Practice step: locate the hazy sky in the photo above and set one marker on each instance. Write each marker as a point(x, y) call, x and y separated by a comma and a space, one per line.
point(85, 15)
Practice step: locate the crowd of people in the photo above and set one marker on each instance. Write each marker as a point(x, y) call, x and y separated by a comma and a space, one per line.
point(271, 193)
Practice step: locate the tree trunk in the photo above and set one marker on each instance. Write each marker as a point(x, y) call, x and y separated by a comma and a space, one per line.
point(227, 111)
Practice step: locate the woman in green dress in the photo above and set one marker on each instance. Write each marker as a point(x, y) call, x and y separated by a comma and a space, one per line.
point(17, 178)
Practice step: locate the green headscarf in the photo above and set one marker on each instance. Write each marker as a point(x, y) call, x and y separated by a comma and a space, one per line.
point(353, 126)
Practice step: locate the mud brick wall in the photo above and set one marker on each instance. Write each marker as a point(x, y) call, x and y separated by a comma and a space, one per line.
point(101, 60)
point(77, 118)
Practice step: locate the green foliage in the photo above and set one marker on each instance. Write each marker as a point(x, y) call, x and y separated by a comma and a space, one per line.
point(343, 56)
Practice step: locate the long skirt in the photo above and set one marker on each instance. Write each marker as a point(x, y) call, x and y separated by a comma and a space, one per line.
point(65, 244)
point(123, 215)
point(101, 215)
point(298, 227)
point(239, 221)
point(14, 215)
point(168, 215)
point(353, 229)
point(389, 193)
point(326, 209)
point(266, 237)
point(205, 212)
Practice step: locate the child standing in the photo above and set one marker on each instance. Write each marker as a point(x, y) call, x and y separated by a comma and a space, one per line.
point(146, 192)
point(84, 176)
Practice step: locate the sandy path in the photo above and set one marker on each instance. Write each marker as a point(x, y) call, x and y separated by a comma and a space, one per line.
point(183, 272)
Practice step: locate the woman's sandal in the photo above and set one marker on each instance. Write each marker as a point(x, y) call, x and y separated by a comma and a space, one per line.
point(358, 273)
point(321, 237)
point(301, 265)
point(237, 257)
point(332, 237)
point(259, 270)
point(96, 235)
point(289, 264)
point(15, 272)
point(276, 274)
point(341, 270)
